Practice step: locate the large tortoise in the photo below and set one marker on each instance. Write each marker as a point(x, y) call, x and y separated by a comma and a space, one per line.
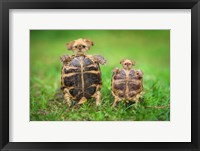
point(81, 74)
point(127, 83)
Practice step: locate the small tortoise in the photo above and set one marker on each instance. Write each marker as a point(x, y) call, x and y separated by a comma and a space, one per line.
point(81, 74)
point(127, 83)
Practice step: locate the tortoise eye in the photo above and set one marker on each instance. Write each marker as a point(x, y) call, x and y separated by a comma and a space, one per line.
point(84, 46)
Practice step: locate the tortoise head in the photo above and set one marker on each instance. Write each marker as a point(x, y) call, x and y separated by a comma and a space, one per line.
point(127, 64)
point(80, 46)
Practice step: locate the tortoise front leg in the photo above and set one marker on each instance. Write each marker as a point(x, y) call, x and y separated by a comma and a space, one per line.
point(65, 59)
point(115, 71)
point(100, 59)
point(139, 74)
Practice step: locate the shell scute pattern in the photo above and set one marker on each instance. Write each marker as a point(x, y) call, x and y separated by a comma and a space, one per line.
point(81, 77)
point(87, 62)
point(129, 82)
point(75, 62)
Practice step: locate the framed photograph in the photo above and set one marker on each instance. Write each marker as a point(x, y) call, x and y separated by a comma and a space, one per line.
point(99, 75)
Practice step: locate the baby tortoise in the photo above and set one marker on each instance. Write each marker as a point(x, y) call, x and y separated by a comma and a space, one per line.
point(127, 83)
point(81, 74)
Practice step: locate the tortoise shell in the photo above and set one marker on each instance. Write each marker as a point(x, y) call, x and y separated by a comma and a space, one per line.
point(82, 77)
point(126, 84)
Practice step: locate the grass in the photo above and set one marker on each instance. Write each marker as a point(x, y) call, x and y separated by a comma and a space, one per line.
point(150, 49)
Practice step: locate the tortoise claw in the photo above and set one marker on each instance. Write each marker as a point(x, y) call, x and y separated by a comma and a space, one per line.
point(100, 59)
point(115, 70)
point(65, 58)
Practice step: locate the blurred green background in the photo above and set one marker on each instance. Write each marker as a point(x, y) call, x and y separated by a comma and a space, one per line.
point(149, 48)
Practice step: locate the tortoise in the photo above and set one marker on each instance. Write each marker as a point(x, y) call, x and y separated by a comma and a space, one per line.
point(126, 83)
point(81, 75)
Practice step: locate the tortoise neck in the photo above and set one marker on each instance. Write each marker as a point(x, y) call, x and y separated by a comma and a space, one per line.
point(78, 55)
point(127, 70)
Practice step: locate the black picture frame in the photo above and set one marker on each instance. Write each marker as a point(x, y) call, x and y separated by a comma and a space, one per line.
point(5, 5)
